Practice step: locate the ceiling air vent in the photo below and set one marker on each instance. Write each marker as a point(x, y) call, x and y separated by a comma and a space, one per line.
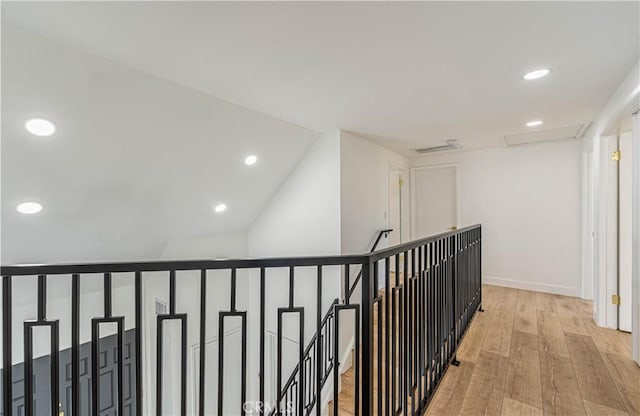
point(451, 145)
point(545, 135)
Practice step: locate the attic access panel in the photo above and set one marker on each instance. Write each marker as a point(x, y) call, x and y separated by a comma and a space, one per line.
point(544, 135)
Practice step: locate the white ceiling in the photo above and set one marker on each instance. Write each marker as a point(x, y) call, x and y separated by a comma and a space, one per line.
point(406, 74)
point(137, 161)
point(145, 149)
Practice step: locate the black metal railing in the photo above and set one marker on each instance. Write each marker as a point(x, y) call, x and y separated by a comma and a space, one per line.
point(419, 296)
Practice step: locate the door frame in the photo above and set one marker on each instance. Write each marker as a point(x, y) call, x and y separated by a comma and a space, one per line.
point(405, 208)
point(588, 224)
point(624, 251)
point(635, 236)
point(605, 278)
point(413, 193)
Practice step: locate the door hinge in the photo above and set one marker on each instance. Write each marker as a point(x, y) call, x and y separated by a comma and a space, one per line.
point(616, 155)
point(615, 299)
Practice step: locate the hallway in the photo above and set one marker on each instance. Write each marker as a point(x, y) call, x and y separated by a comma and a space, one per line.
point(533, 353)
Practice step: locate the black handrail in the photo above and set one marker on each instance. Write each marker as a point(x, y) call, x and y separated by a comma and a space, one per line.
point(400, 248)
point(381, 233)
point(178, 265)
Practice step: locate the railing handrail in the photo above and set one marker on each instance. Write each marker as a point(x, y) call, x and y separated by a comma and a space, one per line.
point(400, 248)
point(178, 265)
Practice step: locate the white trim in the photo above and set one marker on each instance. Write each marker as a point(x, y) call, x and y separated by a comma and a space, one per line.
point(412, 185)
point(406, 210)
point(606, 231)
point(587, 268)
point(537, 287)
point(635, 236)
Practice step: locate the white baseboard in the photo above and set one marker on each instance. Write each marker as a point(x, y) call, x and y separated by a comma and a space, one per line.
point(538, 287)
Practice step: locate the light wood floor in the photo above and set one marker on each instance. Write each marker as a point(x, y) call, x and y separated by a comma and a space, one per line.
point(534, 354)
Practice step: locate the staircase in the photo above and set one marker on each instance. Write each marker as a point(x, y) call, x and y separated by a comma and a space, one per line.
point(327, 328)
point(346, 397)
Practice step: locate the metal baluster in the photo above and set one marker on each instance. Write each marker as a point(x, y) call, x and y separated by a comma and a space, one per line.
point(387, 341)
point(203, 326)
point(367, 338)
point(262, 347)
point(318, 380)
point(7, 363)
point(138, 341)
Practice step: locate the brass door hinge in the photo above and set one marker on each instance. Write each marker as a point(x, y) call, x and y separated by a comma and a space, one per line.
point(615, 299)
point(616, 155)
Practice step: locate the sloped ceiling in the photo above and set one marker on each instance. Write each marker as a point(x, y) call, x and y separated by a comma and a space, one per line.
point(137, 160)
point(407, 74)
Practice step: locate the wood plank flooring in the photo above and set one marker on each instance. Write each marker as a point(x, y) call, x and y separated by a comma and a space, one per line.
point(534, 354)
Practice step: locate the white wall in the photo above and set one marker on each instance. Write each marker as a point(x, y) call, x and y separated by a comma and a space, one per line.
point(364, 191)
point(208, 246)
point(528, 202)
point(302, 219)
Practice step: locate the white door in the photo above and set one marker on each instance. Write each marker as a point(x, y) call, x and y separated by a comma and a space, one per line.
point(435, 208)
point(624, 235)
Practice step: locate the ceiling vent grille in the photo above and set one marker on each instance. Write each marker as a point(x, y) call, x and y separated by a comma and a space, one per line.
point(545, 135)
point(451, 145)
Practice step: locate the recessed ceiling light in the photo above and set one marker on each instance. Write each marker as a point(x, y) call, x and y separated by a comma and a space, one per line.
point(538, 73)
point(534, 123)
point(29, 208)
point(220, 208)
point(250, 160)
point(40, 127)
